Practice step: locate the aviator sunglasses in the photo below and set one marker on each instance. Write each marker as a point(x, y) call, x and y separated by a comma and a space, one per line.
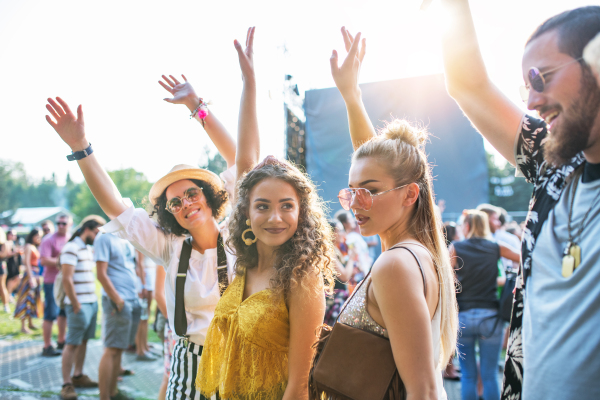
point(192, 195)
point(363, 197)
point(537, 79)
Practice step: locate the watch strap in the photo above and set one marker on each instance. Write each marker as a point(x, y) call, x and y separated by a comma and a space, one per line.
point(78, 155)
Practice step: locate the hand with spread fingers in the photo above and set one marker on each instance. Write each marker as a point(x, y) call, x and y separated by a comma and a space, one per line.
point(183, 93)
point(346, 76)
point(246, 56)
point(71, 129)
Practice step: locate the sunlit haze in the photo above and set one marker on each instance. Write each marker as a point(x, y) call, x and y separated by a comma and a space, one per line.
point(109, 56)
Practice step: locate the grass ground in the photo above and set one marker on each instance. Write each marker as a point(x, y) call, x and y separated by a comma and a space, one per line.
point(11, 328)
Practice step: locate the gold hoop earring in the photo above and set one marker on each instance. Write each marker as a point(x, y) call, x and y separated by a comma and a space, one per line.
point(248, 241)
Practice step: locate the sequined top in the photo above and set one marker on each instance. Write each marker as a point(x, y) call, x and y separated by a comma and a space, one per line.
point(245, 354)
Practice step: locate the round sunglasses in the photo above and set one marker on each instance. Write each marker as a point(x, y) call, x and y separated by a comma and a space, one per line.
point(537, 79)
point(363, 197)
point(192, 195)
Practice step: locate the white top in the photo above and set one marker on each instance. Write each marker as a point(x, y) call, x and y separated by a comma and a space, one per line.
point(77, 254)
point(201, 292)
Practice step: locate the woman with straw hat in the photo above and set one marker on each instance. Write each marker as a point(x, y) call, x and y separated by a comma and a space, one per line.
point(188, 203)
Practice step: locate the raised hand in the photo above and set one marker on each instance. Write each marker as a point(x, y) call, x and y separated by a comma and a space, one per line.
point(246, 56)
point(346, 76)
point(69, 128)
point(183, 93)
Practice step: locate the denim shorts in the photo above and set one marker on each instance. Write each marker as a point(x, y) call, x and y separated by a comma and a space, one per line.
point(51, 310)
point(81, 326)
point(119, 328)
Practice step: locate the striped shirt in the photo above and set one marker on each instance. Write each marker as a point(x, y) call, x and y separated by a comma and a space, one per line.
point(78, 254)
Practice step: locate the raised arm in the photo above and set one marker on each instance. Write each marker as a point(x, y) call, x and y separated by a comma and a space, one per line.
point(184, 93)
point(346, 80)
point(467, 81)
point(71, 130)
point(248, 143)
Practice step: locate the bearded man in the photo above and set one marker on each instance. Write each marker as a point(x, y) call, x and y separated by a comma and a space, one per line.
point(554, 344)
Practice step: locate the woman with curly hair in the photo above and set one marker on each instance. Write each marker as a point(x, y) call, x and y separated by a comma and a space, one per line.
point(258, 345)
point(188, 202)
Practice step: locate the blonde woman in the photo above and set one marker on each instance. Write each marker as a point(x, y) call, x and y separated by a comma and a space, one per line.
point(409, 295)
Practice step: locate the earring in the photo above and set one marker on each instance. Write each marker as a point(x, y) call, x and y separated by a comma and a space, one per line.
point(248, 241)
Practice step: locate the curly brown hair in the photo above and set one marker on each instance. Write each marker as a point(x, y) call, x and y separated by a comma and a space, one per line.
point(309, 250)
point(215, 199)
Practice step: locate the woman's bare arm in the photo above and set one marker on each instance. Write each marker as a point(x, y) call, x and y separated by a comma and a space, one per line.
point(184, 93)
point(346, 80)
point(71, 130)
point(398, 290)
point(248, 143)
point(509, 253)
point(306, 310)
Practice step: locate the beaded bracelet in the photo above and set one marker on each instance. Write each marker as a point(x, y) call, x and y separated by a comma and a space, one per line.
point(201, 111)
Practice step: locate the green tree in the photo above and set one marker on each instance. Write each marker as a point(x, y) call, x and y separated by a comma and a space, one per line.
point(131, 184)
point(214, 163)
point(505, 190)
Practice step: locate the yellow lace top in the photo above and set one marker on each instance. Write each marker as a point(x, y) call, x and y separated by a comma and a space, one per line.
point(245, 354)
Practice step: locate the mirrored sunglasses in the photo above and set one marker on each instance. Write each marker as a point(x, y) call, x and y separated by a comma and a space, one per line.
point(537, 80)
point(175, 205)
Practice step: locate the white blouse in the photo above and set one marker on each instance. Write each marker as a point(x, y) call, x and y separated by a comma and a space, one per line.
point(201, 292)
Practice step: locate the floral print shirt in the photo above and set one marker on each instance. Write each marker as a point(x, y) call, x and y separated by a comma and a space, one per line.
point(549, 183)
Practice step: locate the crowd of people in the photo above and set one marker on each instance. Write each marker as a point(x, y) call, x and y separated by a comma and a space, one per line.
point(63, 264)
point(251, 267)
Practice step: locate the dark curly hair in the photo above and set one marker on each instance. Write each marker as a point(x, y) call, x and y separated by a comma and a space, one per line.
point(216, 200)
point(309, 250)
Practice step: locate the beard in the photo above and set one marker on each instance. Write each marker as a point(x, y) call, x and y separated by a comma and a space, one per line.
point(572, 136)
point(89, 241)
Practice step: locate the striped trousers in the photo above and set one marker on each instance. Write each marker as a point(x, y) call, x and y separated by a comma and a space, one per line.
point(184, 367)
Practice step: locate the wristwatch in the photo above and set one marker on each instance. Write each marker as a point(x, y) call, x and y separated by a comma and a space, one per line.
point(78, 155)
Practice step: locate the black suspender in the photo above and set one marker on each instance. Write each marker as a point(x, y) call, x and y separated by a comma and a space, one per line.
point(180, 318)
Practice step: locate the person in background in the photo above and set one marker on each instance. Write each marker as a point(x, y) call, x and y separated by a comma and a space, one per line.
point(145, 284)
point(4, 253)
point(14, 261)
point(121, 310)
point(29, 299)
point(497, 220)
point(344, 265)
point(475, 260)
point(356, 241)
point(47, 228)
point(81, 304)
point(50, 248)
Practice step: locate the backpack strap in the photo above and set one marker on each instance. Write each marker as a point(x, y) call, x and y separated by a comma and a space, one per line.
point(398, 246)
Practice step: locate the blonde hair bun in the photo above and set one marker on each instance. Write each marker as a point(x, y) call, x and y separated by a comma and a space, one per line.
point(401, 129)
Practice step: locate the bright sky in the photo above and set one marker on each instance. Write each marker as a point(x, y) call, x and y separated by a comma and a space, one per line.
point(109, 56)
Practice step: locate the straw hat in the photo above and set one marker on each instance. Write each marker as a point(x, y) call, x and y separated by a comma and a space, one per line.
point(183, 171)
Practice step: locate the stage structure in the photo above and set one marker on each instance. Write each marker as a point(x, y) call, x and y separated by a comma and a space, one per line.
point(295, 133)
point(455, 150)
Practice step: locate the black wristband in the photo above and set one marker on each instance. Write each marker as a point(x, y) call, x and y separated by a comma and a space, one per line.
point(78, 155)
